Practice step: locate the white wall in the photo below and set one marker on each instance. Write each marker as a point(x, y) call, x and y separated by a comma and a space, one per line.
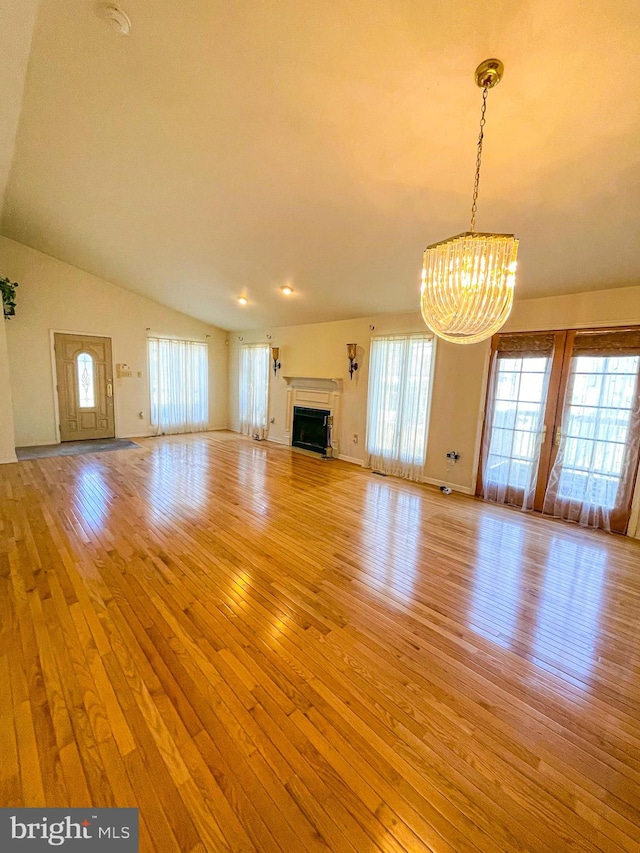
point(53, 295)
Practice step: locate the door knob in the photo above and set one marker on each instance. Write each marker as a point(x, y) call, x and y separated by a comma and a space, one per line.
point(109, 389)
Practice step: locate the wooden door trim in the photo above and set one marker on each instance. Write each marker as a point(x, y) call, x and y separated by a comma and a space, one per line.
point(54, 377)
point(552, 414)
point(479, 489)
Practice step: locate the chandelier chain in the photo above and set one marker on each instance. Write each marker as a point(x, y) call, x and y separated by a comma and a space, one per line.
point(476, 183)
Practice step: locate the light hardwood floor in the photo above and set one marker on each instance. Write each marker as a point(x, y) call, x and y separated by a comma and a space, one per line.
point(268, 652)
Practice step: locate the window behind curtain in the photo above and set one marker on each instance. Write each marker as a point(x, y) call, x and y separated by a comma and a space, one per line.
point(179, 385)
point(398, 404)
point(254, 389)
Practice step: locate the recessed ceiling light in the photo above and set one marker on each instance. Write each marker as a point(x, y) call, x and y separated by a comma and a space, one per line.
point(286, 290)
point(115, 17)
point(243, 300)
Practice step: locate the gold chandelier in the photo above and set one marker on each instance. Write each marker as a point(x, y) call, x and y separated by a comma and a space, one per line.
point(468, 280)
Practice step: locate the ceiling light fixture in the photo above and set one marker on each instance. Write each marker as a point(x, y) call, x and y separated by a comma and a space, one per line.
point(115, 17)
point(286, 290)
point(243, 300)
point(468, 280)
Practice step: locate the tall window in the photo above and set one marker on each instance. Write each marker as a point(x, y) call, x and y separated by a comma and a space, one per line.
point(254, 389)
point(398, 404)
point(179, 385)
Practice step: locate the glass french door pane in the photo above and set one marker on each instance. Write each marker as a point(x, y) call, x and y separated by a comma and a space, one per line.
point(596, 428)
point(519, 402)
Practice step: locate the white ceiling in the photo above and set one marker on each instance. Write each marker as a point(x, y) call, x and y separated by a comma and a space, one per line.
point(229, 148)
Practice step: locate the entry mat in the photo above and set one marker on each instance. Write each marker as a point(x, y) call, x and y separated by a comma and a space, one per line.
point(74, 448)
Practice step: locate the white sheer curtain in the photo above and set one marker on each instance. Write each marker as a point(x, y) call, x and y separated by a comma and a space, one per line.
point(594, 472)
point(398, 404)
point(514, 420)
point(178, 385)
point(254, 389)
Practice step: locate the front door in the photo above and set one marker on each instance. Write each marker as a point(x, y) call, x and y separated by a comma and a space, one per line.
point(85, 387)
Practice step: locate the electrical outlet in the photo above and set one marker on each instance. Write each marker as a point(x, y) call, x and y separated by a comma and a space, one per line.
point(272, 420)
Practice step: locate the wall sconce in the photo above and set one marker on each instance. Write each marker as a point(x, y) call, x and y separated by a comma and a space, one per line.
point(275, 355)
point(352, 352)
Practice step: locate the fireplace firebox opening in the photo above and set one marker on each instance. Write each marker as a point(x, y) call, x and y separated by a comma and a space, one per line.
point(312, 429)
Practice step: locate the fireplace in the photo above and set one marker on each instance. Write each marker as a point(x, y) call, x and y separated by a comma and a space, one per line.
point(313, 399)
point(311, 429)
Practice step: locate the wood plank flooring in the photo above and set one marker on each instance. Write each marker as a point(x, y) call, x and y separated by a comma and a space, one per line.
point(263, 652)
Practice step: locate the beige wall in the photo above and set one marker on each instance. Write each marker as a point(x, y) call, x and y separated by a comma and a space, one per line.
point(7, 453)
point(578, 310)
point(319, 350)
point(55, 296)
point(459, 379)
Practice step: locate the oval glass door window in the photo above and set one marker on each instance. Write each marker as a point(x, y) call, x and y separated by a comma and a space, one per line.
point(86, 389)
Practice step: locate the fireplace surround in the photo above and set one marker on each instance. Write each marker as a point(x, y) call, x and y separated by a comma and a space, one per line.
point(306, 396)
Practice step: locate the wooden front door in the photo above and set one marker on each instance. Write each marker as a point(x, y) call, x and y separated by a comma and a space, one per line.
point(85, 387)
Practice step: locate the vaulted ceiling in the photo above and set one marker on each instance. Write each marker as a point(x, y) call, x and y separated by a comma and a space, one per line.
point(225, 149)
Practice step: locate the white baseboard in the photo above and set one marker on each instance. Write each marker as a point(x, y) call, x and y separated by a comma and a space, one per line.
point(351, 459)
point(465, 490)
point(154, 434)
point(136, 435)
point(5, 460)
point(278, 441)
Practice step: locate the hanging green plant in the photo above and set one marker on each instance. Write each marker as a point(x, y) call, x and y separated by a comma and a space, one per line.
point(8, 290)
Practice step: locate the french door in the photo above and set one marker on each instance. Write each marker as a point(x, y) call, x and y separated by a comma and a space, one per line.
point(562, 424)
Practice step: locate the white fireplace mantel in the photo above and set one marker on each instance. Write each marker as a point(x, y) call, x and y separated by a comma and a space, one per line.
point(314, 383)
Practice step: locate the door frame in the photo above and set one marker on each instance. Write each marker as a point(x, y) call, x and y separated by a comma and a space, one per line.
point(54, 376)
